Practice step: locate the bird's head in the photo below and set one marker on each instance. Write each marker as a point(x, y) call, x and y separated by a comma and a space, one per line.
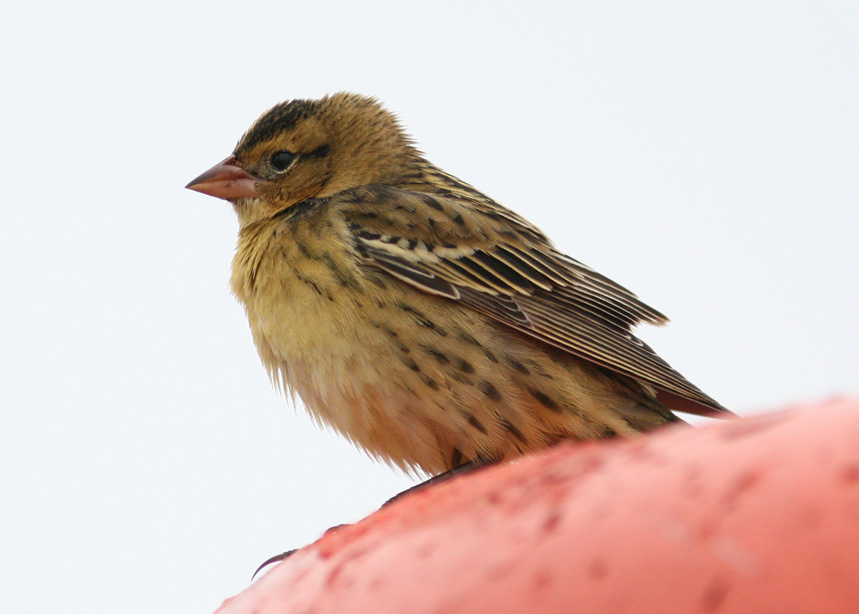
point(305, 149)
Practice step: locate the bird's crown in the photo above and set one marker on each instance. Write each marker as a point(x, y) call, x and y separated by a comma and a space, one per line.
point(317, 148)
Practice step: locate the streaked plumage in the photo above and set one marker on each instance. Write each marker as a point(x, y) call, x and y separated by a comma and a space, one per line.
point(414, 314)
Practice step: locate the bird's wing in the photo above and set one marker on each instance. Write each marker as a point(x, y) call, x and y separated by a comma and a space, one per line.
point(493, 261)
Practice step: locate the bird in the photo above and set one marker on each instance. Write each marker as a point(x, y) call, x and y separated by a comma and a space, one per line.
point(416, 316)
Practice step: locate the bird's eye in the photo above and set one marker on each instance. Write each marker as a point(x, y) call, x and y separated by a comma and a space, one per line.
point(281, 160)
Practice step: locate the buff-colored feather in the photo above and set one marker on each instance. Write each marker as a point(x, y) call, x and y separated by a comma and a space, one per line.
point(417, 316)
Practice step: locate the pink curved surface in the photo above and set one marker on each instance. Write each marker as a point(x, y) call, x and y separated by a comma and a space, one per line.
point(756, 515)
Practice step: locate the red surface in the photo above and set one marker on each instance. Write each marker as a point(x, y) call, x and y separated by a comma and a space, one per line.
point(755, 515)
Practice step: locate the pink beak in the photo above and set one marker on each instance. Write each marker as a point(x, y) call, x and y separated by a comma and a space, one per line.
point(225, 180)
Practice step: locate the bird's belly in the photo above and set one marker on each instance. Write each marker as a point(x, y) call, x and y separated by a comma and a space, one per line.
point(419, 381)
point(352, 358)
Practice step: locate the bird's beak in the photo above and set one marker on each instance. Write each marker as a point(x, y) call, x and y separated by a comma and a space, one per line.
point(226, 180)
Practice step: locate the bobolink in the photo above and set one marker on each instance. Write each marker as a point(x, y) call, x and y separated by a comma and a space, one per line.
point(414, 314)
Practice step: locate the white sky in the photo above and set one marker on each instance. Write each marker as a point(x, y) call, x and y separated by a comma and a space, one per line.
point(704, 155)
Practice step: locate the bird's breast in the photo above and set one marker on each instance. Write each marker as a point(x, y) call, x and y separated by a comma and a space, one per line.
point(306, 300)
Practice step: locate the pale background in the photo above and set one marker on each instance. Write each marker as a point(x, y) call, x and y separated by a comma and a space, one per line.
point(706, 155)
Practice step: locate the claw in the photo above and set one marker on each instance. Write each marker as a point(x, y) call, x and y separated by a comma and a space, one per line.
point(273, 559)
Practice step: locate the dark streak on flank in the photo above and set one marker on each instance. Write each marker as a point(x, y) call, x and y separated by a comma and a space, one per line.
point(411, 364)
point(303, 249)
point(401, 346)
point(475, 422)
point(440, 356)
point(472, 341)
point(544, 400)
point(394, 338)
point(461, 378)
point(342, 279)
point(459, 219)
point(511, 428)
point(489, 355)
point(489, 390)
point(420, 318)
point(455, 458)
point(517, 365)
point(467, 338)
point(463, 365)
point(429, 381)
point(309, 282)
point(377, 280)
point(539, 370)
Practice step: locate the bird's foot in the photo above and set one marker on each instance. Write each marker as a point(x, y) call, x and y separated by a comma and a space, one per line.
point(277, 558)
point(441, 477)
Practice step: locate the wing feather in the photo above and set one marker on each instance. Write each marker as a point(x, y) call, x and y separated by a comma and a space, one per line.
point(505, 268)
